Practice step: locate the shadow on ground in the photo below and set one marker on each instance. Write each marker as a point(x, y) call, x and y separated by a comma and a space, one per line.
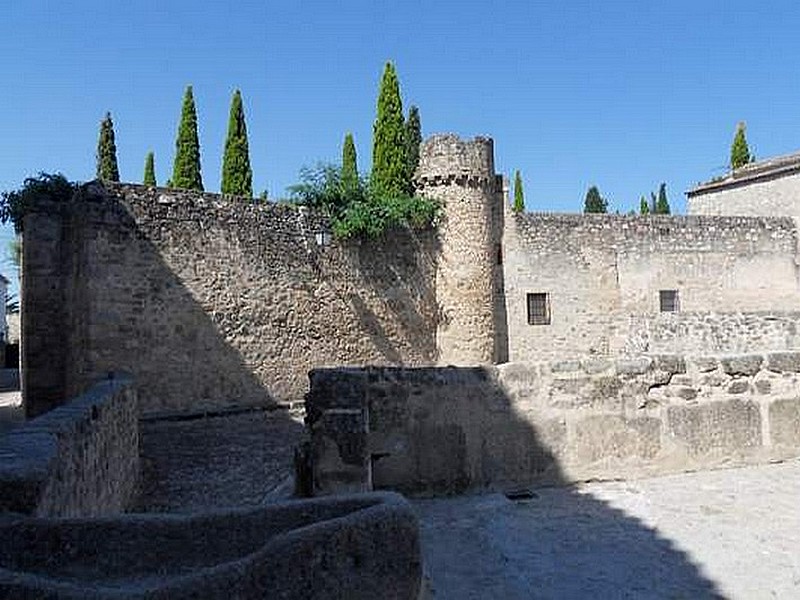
point(455, 430)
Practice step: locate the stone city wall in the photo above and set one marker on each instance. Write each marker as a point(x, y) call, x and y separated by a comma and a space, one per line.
point(449, 430)
point(78, 460)
point(777, 194)
point(211, 301)
point(603, 274)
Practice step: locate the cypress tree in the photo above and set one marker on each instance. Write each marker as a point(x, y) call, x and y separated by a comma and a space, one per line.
point(413, 136)
point(349, 178)
point(389, 166)
point(662, 204)
point(186, 169)
point(107, 168)
point(149, 170)
point(594, 203)
point(740, 153)
point(519, 196)
point(237, 176)
point(644, 206)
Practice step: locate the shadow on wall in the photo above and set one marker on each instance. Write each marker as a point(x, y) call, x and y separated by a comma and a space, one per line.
point(445, 431)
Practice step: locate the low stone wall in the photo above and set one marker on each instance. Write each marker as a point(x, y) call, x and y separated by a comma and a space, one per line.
point(80, 459)
point(359, 547)
point(448, 430)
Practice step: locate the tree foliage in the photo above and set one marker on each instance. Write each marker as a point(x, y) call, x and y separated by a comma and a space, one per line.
point(149, 170)
point(107, 168)
point(350, 183)
point(662, 204)
point(740, 153)
point(46, 186)
point(594, 202)
point(358, 212)
point(644, 206)
point(413, 138)
point(186, 169)
point(389, 163)
point(237, 176)
point(519, 195)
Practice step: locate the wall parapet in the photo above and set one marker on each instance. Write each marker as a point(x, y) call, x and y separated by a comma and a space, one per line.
point(449, 430)
point(80, 459)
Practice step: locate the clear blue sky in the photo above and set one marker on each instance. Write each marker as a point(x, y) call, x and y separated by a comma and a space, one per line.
point(620, 94)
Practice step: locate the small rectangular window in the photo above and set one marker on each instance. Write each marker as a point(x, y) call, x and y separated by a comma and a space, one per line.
point(668, 300)
point(539, 309)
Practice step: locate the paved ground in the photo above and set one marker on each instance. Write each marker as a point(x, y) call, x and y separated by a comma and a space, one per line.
point(732, 534)
point(213, 462)
point(10, 410)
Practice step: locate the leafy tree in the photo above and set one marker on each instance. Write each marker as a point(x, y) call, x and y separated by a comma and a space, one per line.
point(389, 164)
point(237, 176)
point(644, 206)
point(519, 197)
point(662, 204)
point(149, 170)
point(51, 187)
point(107, 168)
point(740, 153)
point(186, 169)
point(594, 203)
point(413, 137)
point(349, 177)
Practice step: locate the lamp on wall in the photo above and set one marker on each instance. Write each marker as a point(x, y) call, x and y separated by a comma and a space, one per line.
point(323, 237)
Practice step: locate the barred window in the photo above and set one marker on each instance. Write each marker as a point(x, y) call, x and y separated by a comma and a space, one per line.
point(539, 309)
point(668, 300)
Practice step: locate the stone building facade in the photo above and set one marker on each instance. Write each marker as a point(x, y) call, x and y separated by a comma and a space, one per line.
point(213, 302)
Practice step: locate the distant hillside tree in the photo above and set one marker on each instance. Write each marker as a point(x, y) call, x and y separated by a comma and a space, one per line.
point(389, 165)
point(644, 206)
point(413, 138)
point(149, 170)
point(349, 179)
point(662, 204)
point(519, 195)
point(594, 202)
point(237, 176)
point(740, 153)
point(186, 169)
point(107, 168)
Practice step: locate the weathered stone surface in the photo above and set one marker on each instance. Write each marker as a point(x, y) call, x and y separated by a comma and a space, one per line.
point(635, 366)
point(746, 364)
point(604, 437)
point(784, 362)
point(784, 419)
point(738, 386)
point(684, 392)
point(717, 428)
point(79, 460)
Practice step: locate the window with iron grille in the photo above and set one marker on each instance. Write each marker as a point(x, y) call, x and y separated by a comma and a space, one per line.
point(668, 299)
point(538, 309)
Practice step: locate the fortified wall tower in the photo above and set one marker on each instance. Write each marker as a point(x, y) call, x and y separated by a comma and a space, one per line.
point(460, 173)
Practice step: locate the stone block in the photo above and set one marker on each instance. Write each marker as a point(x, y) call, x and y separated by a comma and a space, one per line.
point(784, 422)
point(716, 429)
point(684, 392)
point(784, 362)
point(738, 386)
point(633, 366)
point(745, 364)
point(602, 437)
point(669, 363)
point(704, 365)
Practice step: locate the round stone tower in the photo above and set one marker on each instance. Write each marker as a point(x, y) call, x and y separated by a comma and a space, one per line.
point(460, 173)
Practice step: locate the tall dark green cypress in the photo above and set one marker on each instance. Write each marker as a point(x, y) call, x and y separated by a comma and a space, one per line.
point(237, 176)
point(389, 166)
point(644, 206)
point(107, 168)
point(349, 178)
point(662, 204)
point(413, 137)
point(149, 170)
point(740, 153)
point(594, 202)
point(519, 195)
point(186, 169)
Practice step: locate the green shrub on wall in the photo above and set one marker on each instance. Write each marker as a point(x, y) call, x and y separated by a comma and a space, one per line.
point(46, 186)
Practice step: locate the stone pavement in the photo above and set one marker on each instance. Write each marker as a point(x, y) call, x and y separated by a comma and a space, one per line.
point(721, 534)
